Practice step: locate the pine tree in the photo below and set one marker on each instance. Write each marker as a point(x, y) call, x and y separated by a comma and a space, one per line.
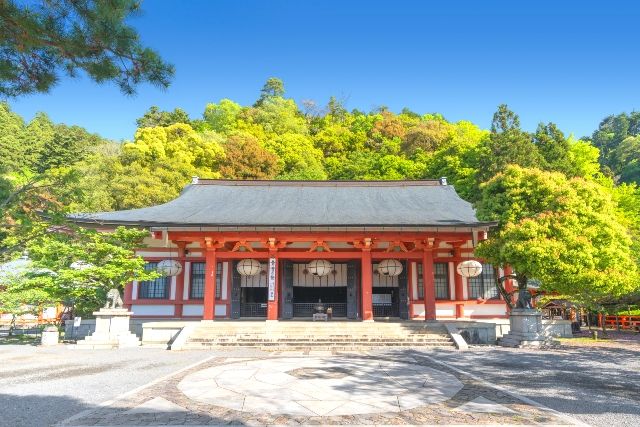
point(41, 39)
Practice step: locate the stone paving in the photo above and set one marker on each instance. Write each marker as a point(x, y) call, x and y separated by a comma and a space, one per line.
point(331, 389)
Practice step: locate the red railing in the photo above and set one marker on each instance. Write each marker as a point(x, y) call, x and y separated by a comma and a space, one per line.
point(622, 322)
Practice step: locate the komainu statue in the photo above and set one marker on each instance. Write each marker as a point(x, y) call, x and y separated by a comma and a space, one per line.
point(116, 300)
point(524, 299)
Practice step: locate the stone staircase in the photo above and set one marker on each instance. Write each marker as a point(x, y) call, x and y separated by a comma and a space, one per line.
point(306, 335)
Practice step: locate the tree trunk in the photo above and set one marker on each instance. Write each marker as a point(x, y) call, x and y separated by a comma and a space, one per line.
point(499, 281)
point(12, 325)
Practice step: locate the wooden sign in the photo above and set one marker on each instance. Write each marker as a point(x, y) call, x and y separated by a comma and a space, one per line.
point(272, 279)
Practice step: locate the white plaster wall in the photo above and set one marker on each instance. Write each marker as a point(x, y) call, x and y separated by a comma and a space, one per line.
point(172, 287)
point(187, 280)
point(452, 280)
point(414, 280)
point(418, 310)
point(192, 310)
point(134, 289)
point(445, 310)
point(225, 278)
point(465, 289)
point(153, 310)
point(485, 310)
point(221, 310)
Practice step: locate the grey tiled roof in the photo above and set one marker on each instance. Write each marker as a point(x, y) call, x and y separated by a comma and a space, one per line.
point(225, 203)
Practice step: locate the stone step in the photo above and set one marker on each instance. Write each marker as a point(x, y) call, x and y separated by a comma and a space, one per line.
point(334, 335)
point(320, 341)
point(346, 336)
point(304, 346)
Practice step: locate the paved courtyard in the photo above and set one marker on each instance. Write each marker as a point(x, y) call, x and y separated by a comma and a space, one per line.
point(58, 386)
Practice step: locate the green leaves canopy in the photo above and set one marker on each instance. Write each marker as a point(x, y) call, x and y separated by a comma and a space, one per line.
point(41, 39)
point(569, 234)
point(108, 260)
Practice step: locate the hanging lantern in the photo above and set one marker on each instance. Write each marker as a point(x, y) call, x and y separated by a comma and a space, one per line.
point(319, 267)
point(248, 267)
point(169, 267)
point(470, 268)
point(390, 267)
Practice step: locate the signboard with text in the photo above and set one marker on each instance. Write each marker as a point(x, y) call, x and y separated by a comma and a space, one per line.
point(272, 279)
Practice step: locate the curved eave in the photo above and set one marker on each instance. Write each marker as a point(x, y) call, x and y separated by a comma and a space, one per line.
point(150, 224)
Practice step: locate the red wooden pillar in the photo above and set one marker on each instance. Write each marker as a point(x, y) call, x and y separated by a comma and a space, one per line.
point(508, 283)
point(367, 285)
point(128, 296)
point(273, 310)
point(180, 281)
point(457, 280)
point(428, 284)
point(210, 285)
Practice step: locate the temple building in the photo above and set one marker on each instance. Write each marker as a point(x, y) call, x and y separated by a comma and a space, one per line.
point(278, 249)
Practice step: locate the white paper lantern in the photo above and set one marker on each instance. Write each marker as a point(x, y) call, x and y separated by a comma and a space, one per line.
point(390, 267)
point(249, 267)
point(320, 267)
point(470, 268)
point(169, 267)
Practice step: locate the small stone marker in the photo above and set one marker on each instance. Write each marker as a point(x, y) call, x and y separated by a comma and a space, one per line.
point(50, 336)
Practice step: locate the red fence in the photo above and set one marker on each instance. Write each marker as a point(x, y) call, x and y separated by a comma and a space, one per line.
point(623, 322)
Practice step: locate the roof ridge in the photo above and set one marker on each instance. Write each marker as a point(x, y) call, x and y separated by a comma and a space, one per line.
point(318, 183)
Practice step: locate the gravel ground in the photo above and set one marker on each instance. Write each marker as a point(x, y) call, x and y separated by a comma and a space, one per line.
point(597, 385)
point(40, 386)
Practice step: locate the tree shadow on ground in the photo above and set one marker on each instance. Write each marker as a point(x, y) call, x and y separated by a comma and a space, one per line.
point(46, 410)
point(19, 340)
point(603, 379)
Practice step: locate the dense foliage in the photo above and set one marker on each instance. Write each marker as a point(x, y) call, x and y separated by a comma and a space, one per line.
point(75, 266)
point(568, 209)
point(41, 39)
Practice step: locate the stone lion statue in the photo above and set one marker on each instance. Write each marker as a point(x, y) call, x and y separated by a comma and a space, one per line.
point(524, 299)
point(113, 296)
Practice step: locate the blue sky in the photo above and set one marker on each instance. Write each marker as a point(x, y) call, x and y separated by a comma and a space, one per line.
point(570, 62)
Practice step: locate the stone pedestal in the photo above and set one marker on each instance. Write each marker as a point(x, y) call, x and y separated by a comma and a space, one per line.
point(50, 336)
point(526, 330)
point(112, 330)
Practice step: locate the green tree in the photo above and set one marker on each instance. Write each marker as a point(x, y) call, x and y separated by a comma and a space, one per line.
point(155, 117)
point(583, 159)
point(298, 158)
point(553, 146)
point(11, 138)
point(18, 297)
point(569, 234)
point(273, 88)
point(507, 145)
point(222, 117)
point(86, 264)
point(68, 145)
point(25, 199)
point(40, 40)
point(38, 140)
point(427, 136)
point(612, 138)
